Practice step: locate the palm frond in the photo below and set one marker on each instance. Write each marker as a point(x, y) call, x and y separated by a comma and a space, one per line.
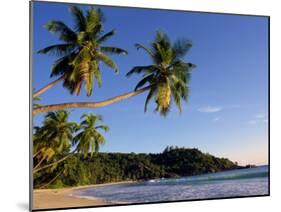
point(62, 66)
point(107, 61)
point(181, 47)
point(97, 146)
point(149, 96)
point(113, 50)
point(88, 76)
point(176, 97)
point(93, 19)
point(163, 39)
point(79, 18)
point(147, 50)
point(191, 65)
point(97, 74)
point(164, 54)
point(58, 49)
point(63, 31)
point(36, 105)
point(83, 55)
point(141, 69)
point(163, 111)
point(106, 36)
point(99, 117)
point(147, 79)
point(103, 127)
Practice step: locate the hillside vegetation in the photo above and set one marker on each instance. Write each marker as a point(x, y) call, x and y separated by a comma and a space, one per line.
point(114, 167)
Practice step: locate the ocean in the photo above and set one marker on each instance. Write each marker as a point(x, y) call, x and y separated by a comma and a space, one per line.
point(233, 183)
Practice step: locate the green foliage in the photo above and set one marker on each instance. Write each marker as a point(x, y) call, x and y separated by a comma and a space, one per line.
point(169, 74)
point(82, 50)
point(184, 162)
point(89, 138)
point(114, 167)
point(57, 184)
point(53, 137)
point(75, 172)
point(57, 136)
point(35, 102)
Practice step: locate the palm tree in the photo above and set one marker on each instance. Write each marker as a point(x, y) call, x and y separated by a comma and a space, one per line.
point(168, 76)
point(54, 137)
point(166, 79)
point(80, 52)
point(90, 138)
point(35, 101)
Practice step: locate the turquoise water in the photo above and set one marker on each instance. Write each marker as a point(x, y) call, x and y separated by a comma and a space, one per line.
point(234, 183)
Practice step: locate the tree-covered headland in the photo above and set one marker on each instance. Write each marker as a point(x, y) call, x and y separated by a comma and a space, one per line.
point(115, 167)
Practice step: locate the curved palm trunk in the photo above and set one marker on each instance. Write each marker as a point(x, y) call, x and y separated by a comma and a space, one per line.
point(47, 87)
point(41, 161)
point(56, 162)
point(37, 169)
point(34, 155)
point(52, 180)
point(109, 101)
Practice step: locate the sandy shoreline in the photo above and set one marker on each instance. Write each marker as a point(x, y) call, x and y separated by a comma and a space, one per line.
point(62, 198)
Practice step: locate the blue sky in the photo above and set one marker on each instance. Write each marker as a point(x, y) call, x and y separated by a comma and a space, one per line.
point(227, 110)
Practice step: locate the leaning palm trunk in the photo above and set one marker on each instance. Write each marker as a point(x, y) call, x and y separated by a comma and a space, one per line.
point(47, 87)
point(109, 101)
point(37, 169)
point(56, 162)
point(40, 162)
point(52, 180)
point(35, 154)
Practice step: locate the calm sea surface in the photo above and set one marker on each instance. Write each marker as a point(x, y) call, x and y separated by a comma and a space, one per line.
point(242, 182)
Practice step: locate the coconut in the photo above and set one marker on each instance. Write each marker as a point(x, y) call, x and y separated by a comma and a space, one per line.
point(163, 98)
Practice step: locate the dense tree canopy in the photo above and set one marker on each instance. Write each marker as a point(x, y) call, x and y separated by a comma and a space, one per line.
point(114, 167)
point(57, 136)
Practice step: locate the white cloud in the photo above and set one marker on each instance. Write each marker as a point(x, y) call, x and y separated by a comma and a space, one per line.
point(260, 116)
point(252, 122)
point(258, 121)
point(210, 109)
point(217, 119)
